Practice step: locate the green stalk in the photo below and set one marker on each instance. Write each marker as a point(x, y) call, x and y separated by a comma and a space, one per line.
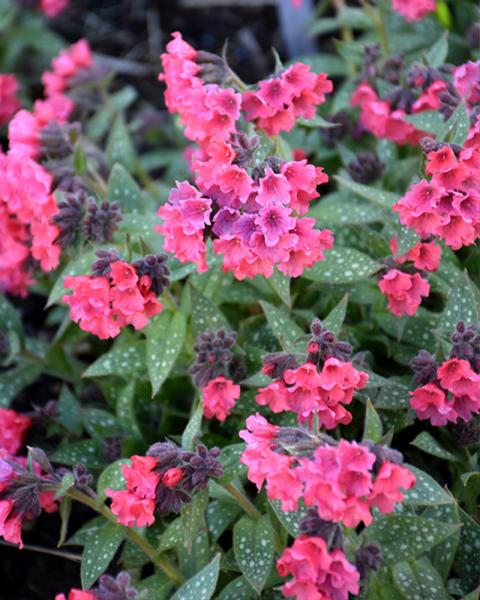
point(243, 501)
point(162, 563)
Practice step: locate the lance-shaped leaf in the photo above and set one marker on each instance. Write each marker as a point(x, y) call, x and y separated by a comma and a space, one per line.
point(202, 585)
point(254, 547)
point(342, 266)
point(98, 552)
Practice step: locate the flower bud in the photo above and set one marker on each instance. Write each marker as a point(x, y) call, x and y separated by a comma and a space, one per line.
point(172, 477)
point(155, 266)
point(368, 558)
point(101, 221)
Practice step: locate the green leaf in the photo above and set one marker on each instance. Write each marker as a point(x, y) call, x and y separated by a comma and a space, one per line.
point(69, 411)
point(426, 442)
point(98, 552)
point(13, 381)
point(156, 587)
point(193, 428)
point(290, 520)
point(165, 337)
point(467, 559)
point(406, 239)
point(220, 515)
point(194, 551)
point(124, 189)
point(202, 585)
point(456, 128)
point(68, 480)
point(324, 63)
point(419, 579)
point(254, 547)
point(342, 266)
point(79, 266)
point(437, 54)
point(99, 423)
point(338, 209)
point(88, 531)
point(393, 397)
point(373, 424)
point(430, 121)
point(281, 285)
point(119, 145)
point(88, 452)
point(125, 410)
point(405, 538)
point(123, 360)
point(172, 536)
point(205, 315)
point(111, 477)
point(461, 306)
point(284, 328)
point(335, 318)
point(64, 510)
point(443, 554)
point(376, 196)
point(238, 589)
point(426, 491)
point(230, 459)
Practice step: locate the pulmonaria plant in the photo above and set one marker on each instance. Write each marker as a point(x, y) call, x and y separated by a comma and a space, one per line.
point(402, 280)
point(162, 482)
point(449, 390)
point(447, 205)
point(318, 388)
point(250, 204)
point(117, 294)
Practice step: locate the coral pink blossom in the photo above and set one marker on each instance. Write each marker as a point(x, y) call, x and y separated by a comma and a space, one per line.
point(13, 426)
point(413, 10)
point(388, 485)
point(69, 63)
point(131, 509)
point(75, 594)
point(404, 291)
point(219, 397)
point(466, 79)
point(431, 402)
point(140, 476)
point(172, 477)
point(423, 255)
point(10, 523)
point(318, 574)
point(52, 8)
point(9, 103)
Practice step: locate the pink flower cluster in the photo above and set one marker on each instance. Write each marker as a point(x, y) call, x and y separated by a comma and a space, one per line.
point(377, 116)
point(249, 207)
point(308, 392)
point(13, 426)
point(219, 396)
point(66, 66)
point(318, 573)
point(76, 594)
point(281, 100)
point(338, 481)
point(453, 394)
point(405, 289)
point(413, 10)
point(447, 206)
point(466, 79)
point(103, 304)
point(136, 504)
point(9, 102)
point(26, 231)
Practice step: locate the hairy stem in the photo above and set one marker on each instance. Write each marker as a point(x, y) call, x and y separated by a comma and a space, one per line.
point(243, 501)
point(162, 563)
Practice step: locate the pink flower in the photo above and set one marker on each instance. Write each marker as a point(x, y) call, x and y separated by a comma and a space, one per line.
point(466, 79)
point(9, 103)
point(131, 509)
point(387, 486)
point(140, 476)
point(458, 377)
point(259, 437)
point(431, 402)
point(413, 10)
point(425, 256)
point(75, 594)
point(90, 305)
point(52, 8)
point(275, 396)
point(404, 291)
point(13, 426)
point(318, 574)
point(67, 65)
point(219, 397)
point(10, 523)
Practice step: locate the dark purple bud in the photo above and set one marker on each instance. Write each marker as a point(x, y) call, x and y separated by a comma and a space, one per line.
point(368, 558)
point(69, 217)
point(37, 455)
point(82, 476)
point(56, 141)
point(312, 525)
point(467, 433)
point(167, 453)
point(105, 259)
point(213, 68)
point(112, 447)
point(101, 221)
point(155, 266)
point(428, 145)
point(424, 365)
point(213, 356)
point(275, 365)
point(118, 588)
point(200, 467)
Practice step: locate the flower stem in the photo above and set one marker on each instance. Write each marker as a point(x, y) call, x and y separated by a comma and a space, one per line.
point(243, 501)
point(162, 563)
